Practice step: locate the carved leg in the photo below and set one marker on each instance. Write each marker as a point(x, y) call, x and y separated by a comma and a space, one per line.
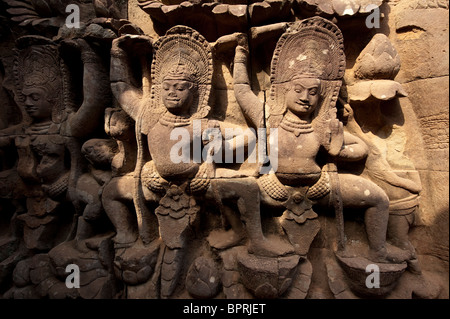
point(358, 192)
point(116, 195)
point(398, 230)
point(87, 193)
point(223, 239)
point(246, 192)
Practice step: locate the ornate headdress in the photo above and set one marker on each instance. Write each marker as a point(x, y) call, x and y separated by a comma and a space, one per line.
point(37, 64)
point(183, 53)
point(310, 48)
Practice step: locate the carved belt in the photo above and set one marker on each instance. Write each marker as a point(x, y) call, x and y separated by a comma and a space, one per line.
point(197, 185)
point(276, 190)
point(151, 179)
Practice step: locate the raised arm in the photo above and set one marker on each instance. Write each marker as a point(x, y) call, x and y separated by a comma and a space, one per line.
point(96, 92)
point(251, 105)
point(123, 87)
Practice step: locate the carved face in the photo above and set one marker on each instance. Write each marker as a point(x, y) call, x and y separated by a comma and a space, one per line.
point(303, 96)
point(37, 105)
point(177, 96)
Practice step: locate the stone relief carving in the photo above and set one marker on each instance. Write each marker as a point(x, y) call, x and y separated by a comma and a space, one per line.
point(206, 162)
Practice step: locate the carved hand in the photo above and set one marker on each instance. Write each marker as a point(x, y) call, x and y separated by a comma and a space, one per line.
point(336, 131)
point(228, 42)
point(80, 45)
point(242, 45)
point(410, 185)
point(137, 44)
point(348, 112)
point(212, 124)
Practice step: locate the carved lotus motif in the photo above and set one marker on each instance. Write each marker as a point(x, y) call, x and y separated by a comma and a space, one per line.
point(378, 60)
point(379, 89)
point(267, 277)
point(202, 280)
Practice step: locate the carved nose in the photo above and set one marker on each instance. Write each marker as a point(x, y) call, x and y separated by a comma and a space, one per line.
point(303, 96)
point(28, 102)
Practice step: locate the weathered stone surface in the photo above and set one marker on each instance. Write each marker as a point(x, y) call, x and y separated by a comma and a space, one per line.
point(224, 149)
point(422, 33)
point(356, 270)
point(203, 279)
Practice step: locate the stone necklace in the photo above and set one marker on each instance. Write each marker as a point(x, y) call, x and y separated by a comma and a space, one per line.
point(295, 125)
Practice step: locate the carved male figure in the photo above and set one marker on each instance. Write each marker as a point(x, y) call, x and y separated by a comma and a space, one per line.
point(307, 69)
point(179, 99)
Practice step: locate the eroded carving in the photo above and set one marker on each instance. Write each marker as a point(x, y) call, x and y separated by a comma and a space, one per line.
point(207, 162)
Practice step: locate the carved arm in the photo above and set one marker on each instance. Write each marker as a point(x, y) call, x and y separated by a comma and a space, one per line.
point(7, 135)
point(129, 96)
point(96, 93)
point(250, 104)
point(354, 149)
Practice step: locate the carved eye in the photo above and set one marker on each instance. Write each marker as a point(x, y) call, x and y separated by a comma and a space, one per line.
point(182, 86)
point(35, 97)
point(313, 91)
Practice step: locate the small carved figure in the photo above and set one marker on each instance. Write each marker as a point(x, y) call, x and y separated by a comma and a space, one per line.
point(402, 187)
point(89, 189)
point(370, 91)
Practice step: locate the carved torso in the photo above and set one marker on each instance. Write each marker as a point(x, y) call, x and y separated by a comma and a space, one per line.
point(160, 146)
point(297, 150)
